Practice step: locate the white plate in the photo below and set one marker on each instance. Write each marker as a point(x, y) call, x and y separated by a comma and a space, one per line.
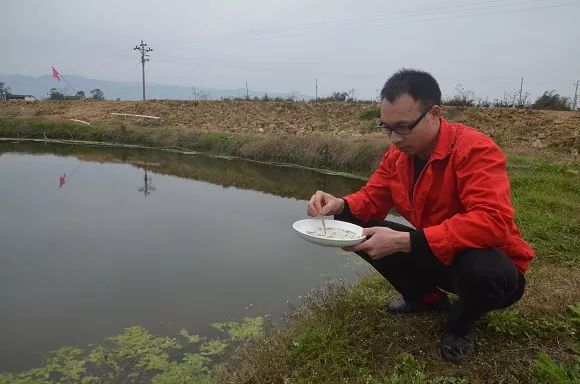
point(302, 227)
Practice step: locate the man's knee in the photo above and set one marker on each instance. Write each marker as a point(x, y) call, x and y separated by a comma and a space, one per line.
point(487, 276)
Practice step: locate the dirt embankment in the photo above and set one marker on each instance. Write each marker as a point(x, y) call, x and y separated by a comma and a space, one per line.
point(532, 131)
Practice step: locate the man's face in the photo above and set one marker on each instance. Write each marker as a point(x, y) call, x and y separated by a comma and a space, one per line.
point(403, 113)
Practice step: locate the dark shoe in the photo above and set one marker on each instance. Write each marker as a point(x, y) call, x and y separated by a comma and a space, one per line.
point(403, 307)
point(455, 348)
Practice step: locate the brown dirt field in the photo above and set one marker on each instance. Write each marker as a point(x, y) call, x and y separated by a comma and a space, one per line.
point(520, 131)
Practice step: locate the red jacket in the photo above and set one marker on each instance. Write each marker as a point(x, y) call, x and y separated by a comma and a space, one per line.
point(461, 199)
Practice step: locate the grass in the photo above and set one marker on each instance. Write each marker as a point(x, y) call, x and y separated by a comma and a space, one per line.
point(372, 113)
point(547, 204)
point(341, 333)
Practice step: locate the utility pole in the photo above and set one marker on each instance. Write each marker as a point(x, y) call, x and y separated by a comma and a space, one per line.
point(521, 88)
point(316, 97)
point(144, 57)
point(576, 96)
point(247, 92)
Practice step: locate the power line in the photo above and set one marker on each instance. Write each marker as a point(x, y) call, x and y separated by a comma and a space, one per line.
point(144, 57)
point(382, 25)
point(412, 16)
point(389, 19)
point(383, 17)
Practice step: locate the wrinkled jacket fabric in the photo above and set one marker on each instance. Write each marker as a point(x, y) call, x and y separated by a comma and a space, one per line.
point(461, 199)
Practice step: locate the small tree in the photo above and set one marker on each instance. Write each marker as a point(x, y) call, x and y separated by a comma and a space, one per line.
point(463, 97)
point(292, 95)
point(54, 94)
point(97, 94)
point(552, 100)
point(340, 96)
point(523, 101)
point(345, 96)
point(4, 91)
point(199, 94)
point(80, 94)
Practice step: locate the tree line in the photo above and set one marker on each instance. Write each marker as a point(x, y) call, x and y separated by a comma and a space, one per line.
point(550, 99)
point(54, 94)
point(96, 94)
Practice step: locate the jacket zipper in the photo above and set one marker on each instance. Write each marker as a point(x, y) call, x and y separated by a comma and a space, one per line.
point(417, 182)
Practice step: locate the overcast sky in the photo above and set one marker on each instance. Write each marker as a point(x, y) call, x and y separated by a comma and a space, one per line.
point(283, 45)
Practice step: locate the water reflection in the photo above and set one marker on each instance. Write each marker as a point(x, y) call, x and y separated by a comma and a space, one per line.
point(212, 243)
point(280, 181)
point(64, 178)
point(61, 180)
point(147, 187)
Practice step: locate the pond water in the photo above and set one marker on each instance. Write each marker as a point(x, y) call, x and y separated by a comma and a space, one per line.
point(95, 240)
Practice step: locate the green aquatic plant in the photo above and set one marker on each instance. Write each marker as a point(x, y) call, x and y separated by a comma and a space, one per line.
point(238, 331)
point(137, 356)
point(193, 339)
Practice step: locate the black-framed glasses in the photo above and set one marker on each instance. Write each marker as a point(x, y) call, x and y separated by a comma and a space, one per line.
point(402, 129)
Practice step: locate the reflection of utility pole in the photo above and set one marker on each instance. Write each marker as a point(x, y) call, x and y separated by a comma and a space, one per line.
point(144, 58)
point(322, 184)
point(147, 187)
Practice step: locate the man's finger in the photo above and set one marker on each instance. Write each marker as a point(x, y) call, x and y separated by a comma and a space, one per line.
point(362, 247)
point(310, 211)
point(369, 231)
point(318, 200)
point(326, 209)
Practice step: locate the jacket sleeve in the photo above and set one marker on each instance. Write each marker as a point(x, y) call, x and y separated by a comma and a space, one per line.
point(373, 201)
point(484, 190)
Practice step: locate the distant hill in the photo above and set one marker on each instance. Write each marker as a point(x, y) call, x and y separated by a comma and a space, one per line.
point(39, 87)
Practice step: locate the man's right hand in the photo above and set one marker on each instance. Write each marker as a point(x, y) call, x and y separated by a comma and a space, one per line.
point(323, 204)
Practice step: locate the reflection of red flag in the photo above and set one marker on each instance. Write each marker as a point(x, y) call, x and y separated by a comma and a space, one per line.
point(61, 180)
point(55, 73)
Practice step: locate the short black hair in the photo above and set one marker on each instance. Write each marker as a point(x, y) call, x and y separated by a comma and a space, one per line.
point(420, 85)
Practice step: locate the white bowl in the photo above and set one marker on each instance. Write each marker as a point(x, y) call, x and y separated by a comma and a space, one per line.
point(302, 227)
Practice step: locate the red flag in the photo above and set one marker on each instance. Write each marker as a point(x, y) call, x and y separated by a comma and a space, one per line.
point(55, 73)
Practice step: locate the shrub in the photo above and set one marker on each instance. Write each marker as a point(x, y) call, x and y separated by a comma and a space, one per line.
point(370, 114)
point(552, 100)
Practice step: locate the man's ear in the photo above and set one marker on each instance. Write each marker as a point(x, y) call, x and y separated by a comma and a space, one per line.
point(436, 111)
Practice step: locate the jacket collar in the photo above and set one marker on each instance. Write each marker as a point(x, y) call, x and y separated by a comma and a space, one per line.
point(445, 140)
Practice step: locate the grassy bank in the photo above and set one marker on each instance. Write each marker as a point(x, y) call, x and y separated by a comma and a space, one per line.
point(359, 155)
point(342, 333)
point(543, 132)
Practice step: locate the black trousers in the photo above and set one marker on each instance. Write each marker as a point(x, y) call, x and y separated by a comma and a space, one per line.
point(484, 279)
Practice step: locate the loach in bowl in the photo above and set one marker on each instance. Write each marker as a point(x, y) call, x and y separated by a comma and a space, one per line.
point(338, 233)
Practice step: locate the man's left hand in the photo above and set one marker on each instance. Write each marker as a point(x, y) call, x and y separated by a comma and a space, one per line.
point(383, 242)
